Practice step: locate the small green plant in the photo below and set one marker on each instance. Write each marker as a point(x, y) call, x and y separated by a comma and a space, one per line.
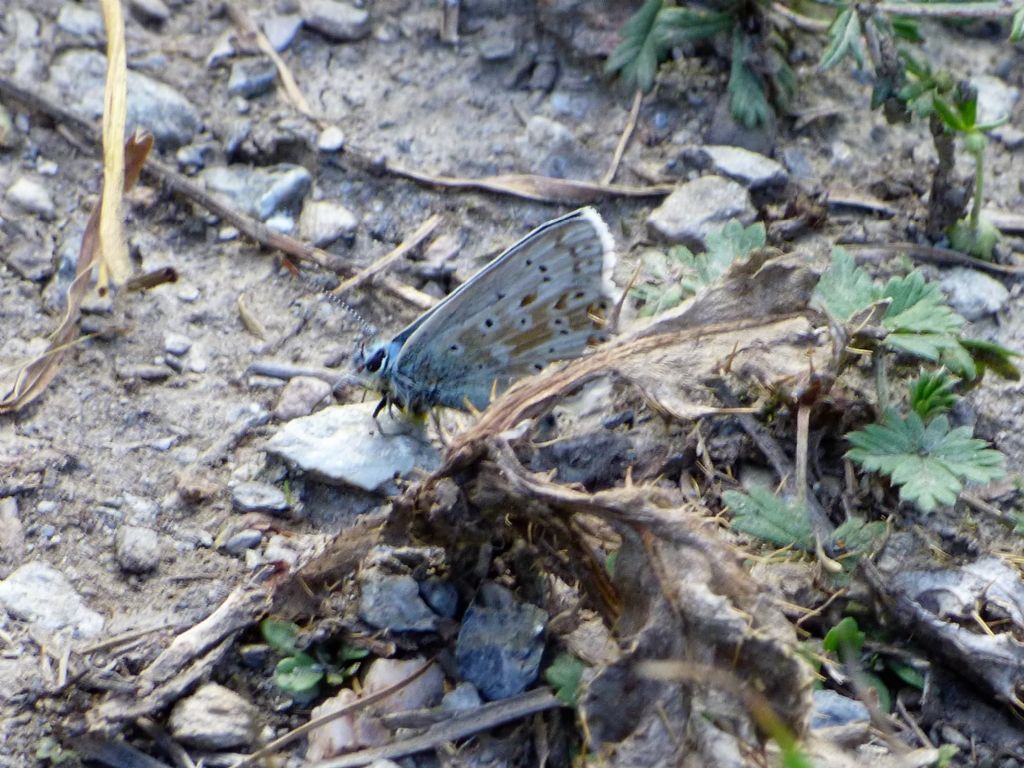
point(674, 276)
point(299, 673)
point(564, 675)
point(932, 393)
point(49, 750)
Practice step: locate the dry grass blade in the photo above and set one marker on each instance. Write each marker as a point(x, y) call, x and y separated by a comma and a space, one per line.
point(544, 189)
point(33, 378)
point(422, 233)
point(627, 133)
point(115, 265)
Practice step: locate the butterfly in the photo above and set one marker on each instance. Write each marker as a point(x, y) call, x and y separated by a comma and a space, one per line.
point(543, 299)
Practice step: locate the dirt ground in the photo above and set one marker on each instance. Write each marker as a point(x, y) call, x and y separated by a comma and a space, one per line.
point(107, 444)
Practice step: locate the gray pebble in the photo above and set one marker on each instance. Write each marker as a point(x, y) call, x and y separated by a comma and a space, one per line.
point(243, 540)
point(39, 593)
point(463, 697)
point(177, 343)
point(137, 549)
point(255, 496)
point(323, 222)
point(281, 30)
point(31, 260)
point(974, 294)
point(750, 169)
point(331, 139)
point(831, 709)
point(996, 99)
point(12, 535)
point(343, 445)
point(143, 371)
point(549, 148)
point(699, 207)
point(79, 76)
point(214, 717)
point(252, 77)
point(82, 23)
point(260, 192)
point(32, 196)
point(300, 396)
point(497, 47)
point(500, 644)
point(441, 596)
point(150, 11)
point(280, 549)
point(337, 20)
point(392, 601)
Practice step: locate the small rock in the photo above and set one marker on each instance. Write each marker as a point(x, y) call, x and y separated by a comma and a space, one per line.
point(82, 23)
point(137, 548)
point(30, 195)
point(831, 709)
point(797, 163)
point(176, 344)
point(260, 192)
point(31, 260)
point(344, 445)
point(281, 549)
point(441, 596)
point(254, 496)
point(337, 20)
point(331, 139)
point(281, 30)
point(12, 535)
point(150, 11)
point(39, 593)
point(500, 644)
point(726, 130)
point(79, 76)
point(243, 540)
point(551, 149)
point(699, 207)
point(9, 138)
point(498, 47)
point(192, 158)
point(974, 294)
point(996, 99)
point(252, 77)
point(392, 602)
point(146, 372)
point(323, 222)
point(425, 691)
point(464, 696)
point(1009, 136)
point(300, 396)
point(215, 718)
point(750, 169)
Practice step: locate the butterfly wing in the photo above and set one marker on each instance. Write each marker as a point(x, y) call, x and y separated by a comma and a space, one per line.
point(543, 299)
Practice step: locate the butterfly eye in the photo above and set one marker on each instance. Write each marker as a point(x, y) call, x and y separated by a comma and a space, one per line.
point(376, 361)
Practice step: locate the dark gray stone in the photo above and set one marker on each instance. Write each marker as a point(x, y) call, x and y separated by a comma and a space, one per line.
point(336, 20)
point(252, 77)
point(392, 601)
point(260, 192)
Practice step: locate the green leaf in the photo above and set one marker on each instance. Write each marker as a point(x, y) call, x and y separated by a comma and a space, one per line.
point(1017, 26)
point(880, 688)
point(280, 635)
point(908, 673)
point(858, 536)
point(948, 115)
point(564, 675)
point(610, 561)
point(298, 675)
point(946, 754)
point(844, 288)
point(636, 56)
point(729, 244)
point(762, 514)
point(676, 26)
point(932, 393)
point(907, 29)
point(794, 757)
point(352, 653)
point(747, 97)
point(980, 242)
point(919, 321)
point(844, 39)
point(992, 356)
point(845, 638)
point(958, 361)
point(929, 463)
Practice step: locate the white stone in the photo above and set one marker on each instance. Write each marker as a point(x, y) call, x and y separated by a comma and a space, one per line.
point(698, 208)
point(39, 593)
point(30, 195)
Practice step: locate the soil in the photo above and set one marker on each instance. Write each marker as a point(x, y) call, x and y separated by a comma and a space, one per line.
point(103, 448)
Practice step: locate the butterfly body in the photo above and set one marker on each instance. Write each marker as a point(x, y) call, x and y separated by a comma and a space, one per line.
point(543, 299)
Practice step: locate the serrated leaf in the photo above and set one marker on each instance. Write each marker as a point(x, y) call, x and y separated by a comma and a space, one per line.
point(844, 39)
point(280, 635)
point(957, 359)
point(564, 675)
point(730, 243)
point(635, 58)
point(844, 638)
point(675, 26)
point(928, 463)
point(762, 514)
point(932, 393)
point(844, 288)
point(856, 535)
point(747, 98)
point(918, 305)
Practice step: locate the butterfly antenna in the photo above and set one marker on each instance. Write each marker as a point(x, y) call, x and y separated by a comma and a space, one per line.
point(368, 330)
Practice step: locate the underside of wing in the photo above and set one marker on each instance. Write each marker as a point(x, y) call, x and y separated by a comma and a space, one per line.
point(546, 298)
